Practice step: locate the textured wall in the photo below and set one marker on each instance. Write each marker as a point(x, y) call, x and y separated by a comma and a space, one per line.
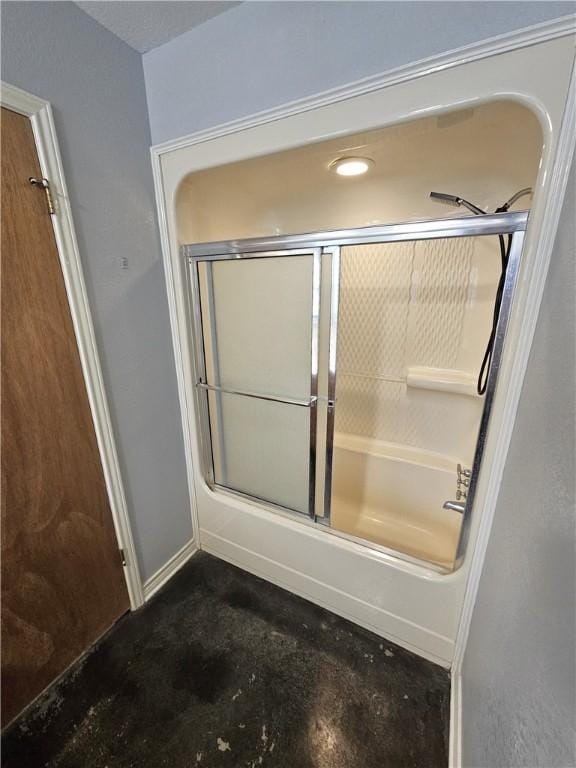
point(149, 24)
point(519, 676)
point(413, 304)
point(262, 54)
point(95, 84)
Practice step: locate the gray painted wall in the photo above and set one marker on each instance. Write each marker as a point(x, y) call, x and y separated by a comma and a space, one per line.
point(519, 674)
point(96, 87)
point(262, 54)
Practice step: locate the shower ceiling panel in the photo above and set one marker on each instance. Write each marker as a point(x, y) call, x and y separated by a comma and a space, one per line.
point(295, 191)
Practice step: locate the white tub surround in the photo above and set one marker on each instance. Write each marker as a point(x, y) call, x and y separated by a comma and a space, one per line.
point(442, 380)
point(392, 495)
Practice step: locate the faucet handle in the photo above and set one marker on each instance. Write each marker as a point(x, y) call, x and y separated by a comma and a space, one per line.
point(455, 506)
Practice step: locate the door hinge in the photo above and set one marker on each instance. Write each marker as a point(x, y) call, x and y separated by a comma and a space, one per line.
point(45, 185)
point(123, 557)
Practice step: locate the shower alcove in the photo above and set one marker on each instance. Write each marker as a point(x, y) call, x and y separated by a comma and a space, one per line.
point(339, 379)
point(331, 333)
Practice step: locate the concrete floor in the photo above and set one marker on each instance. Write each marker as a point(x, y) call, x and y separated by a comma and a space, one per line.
point(224, 669)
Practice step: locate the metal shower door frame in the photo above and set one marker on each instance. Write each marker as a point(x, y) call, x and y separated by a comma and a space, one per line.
point(203, 388)
point(329, 243)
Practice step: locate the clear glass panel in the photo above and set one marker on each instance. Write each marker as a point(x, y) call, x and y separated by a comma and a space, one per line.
point(261, 448)
point(414, 320)
point(257, 324)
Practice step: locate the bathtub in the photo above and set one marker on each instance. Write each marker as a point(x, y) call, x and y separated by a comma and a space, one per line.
point(392, 495)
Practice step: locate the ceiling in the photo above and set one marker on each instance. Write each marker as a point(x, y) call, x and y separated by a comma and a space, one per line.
point(146, 24)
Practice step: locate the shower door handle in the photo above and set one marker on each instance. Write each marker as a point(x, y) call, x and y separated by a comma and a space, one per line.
point(246, 393)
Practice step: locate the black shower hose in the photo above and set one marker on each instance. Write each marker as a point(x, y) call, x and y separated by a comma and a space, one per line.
point(487, 361)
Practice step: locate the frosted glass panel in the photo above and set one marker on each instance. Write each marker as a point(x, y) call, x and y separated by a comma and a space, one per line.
point(261, 448)
point(257, 315)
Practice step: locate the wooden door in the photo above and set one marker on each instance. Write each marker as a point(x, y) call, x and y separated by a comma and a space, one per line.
point(62, 577)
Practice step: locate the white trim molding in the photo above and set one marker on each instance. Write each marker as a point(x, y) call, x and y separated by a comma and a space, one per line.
point(40, 114)
point(455, 737)
point(169, 569)
point(494, 46)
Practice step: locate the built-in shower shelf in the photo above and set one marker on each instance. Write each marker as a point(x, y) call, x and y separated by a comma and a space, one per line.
point(442, 380)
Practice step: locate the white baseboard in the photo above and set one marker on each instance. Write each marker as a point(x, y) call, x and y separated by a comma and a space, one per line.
point(169, 568)
point(455, 746)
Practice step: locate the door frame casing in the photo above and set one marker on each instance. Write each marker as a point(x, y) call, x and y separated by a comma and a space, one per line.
point(39, 112)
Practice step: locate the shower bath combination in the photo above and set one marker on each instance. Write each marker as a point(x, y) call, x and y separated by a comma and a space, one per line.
point(326, 363)
point(335, 489)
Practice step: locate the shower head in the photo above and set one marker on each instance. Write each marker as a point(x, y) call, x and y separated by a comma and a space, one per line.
point(457, 201)
point(451, 199)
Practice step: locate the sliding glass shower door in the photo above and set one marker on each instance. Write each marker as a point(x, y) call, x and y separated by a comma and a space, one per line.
point(258, 319)
point(336, 374)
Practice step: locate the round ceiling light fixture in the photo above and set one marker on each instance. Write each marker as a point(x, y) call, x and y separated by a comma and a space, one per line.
point(351, 166)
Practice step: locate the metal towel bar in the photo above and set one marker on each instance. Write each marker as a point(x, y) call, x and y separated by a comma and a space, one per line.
point(258, 396)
